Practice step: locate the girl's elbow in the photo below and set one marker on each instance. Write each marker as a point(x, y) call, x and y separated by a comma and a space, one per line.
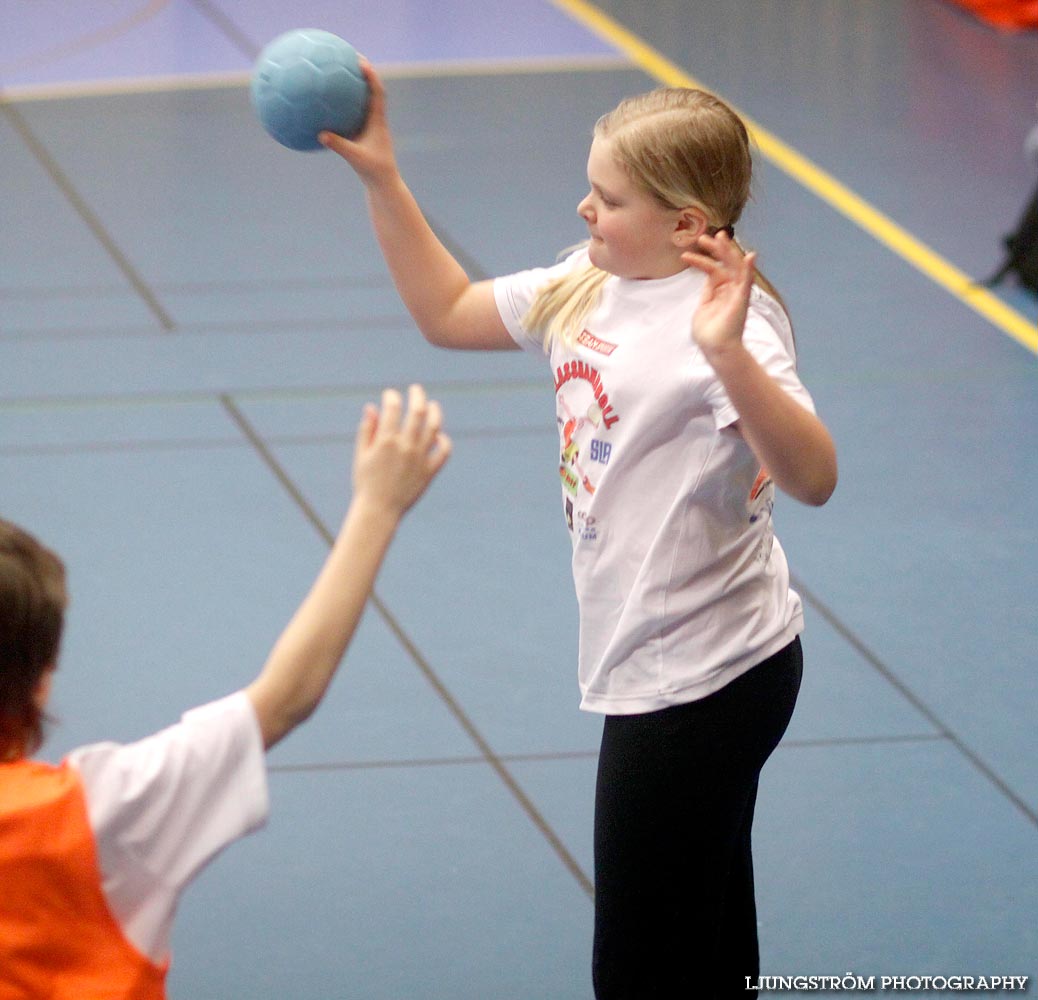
point(820, 482)
point(443, 334)
point(812, 487)
point(820, 496)
point(822, 487)
point(434, 335)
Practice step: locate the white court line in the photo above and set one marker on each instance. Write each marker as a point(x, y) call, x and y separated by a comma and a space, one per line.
point(86, 42)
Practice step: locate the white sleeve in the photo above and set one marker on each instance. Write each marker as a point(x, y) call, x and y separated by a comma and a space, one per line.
point(514, 293)
point(162, 808)
point(769, 338)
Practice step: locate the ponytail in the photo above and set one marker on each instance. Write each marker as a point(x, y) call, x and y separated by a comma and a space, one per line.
point(563, 305)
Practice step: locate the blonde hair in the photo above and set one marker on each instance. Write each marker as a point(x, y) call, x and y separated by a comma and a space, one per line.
point(683, 147)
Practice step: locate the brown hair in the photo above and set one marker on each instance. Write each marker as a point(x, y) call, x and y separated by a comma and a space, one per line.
point(33, 599)
point(681, 146)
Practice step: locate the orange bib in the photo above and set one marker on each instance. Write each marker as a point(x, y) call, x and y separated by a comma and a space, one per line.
point(58, 938)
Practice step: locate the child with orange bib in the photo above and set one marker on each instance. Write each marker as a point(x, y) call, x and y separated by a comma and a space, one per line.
point(95, 853)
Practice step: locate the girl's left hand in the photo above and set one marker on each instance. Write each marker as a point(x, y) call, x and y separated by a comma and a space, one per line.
point(719, 321)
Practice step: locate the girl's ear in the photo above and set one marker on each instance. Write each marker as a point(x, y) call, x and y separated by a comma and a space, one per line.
point(691, 224)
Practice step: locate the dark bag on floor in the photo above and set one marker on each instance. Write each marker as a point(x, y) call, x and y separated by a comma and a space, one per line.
point(1022, 247)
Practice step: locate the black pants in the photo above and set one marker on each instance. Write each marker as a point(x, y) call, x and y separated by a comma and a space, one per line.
point(675, 916)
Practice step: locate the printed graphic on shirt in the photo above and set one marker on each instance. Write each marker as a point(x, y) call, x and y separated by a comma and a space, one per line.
point(588, 527)
point(592, 343)
point(585, 417)
point(759, 505)
point(760, 496)
point(582, 371)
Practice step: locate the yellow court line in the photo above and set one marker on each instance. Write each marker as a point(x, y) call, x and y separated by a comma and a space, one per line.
point(824, 185)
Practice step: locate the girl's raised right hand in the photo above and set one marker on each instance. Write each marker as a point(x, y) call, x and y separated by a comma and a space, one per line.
point(370, 153)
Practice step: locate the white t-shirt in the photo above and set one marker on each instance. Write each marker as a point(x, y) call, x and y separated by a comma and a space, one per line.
point(680, 582)
point(163, 807)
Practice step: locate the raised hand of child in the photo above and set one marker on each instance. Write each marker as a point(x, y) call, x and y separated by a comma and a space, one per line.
point(398, 454)
point(721, 316)
point(371, 152)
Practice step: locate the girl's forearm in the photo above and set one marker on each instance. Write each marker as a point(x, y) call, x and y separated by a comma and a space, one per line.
point(448, 308)
point(428, 278)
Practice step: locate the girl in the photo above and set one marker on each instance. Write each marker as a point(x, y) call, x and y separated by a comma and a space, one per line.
point(94, 854)
point(676, 388)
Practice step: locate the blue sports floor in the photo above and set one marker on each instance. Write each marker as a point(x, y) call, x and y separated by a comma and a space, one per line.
point(191, 318)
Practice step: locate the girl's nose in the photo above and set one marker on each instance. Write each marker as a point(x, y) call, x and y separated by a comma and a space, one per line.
point(584, 208)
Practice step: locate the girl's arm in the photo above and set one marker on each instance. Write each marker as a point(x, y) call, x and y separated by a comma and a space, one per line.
point(396, 458)
point(788, 440)
point(449, 309)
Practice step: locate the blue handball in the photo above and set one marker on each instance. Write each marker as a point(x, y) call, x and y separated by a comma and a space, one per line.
point(306, 81)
